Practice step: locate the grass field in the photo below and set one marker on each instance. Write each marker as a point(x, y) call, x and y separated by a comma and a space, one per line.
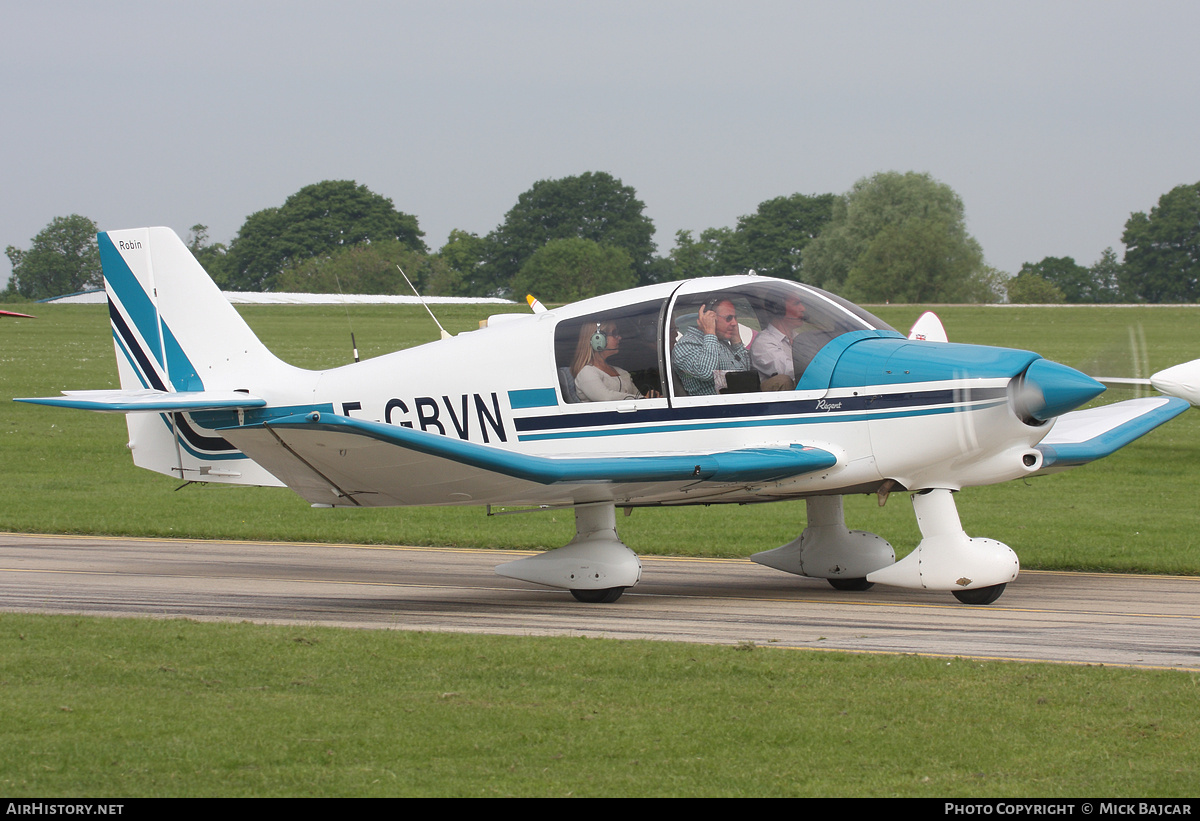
point(96, 707)
point(138, 707)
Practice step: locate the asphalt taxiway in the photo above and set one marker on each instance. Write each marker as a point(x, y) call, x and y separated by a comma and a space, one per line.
point(1082, 618)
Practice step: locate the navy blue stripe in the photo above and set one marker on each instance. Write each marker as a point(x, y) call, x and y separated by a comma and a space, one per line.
point(812, 419)
point(215, 447)
point(149, 374)
point(890, 402)
point(213, 420)
point(209, 444)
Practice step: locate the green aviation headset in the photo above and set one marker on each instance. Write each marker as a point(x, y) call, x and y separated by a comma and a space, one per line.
point(599, 339)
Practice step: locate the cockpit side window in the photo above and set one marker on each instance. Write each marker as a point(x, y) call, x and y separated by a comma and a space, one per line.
point(781, 326)
point(709, 345)
point(610, 356)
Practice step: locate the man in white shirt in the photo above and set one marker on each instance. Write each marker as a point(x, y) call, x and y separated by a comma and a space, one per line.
point(771, 352)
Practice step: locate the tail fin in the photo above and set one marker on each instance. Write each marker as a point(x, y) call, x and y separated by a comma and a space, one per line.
point(171, 323)
point(176, 333)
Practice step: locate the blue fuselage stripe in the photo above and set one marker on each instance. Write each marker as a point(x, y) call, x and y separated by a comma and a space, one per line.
point(532, 398)
point(786, 412)
point(811, 419)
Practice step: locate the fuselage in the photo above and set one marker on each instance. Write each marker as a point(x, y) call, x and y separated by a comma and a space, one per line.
point(912, 413)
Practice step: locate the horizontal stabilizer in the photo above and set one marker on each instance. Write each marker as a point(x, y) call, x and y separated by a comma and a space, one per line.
point(332, 459)
point(148, 400)
point(1084, 436)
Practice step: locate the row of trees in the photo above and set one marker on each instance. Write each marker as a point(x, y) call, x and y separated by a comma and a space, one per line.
point(1162, 261)
point(63, 259)
point(893, 237)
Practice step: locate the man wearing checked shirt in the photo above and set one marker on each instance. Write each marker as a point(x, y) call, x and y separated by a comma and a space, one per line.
point(705, 352)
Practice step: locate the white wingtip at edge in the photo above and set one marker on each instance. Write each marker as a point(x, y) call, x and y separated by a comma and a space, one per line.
point(1180, 380)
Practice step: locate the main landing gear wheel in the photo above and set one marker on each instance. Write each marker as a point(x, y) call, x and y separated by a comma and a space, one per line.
point(607, 596)
point(980, 595)
point(851, 584)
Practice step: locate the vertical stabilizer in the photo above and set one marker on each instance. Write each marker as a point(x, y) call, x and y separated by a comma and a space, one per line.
point(176, 328)
point(174, 331)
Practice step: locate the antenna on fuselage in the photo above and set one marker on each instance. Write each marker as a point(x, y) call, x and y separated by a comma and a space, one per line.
point(353, 343)
point(445, 334)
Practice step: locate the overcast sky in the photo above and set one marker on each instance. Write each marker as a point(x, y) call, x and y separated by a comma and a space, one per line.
point(1052, 120)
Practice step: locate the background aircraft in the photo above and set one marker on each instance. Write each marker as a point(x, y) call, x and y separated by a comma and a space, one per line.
point(679, 415)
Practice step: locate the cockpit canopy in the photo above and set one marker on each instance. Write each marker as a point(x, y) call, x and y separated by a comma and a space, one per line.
point(780, 327)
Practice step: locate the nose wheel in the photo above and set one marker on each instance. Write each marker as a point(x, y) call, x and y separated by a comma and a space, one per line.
point(606, 596)
point(980, 595)
point(851, 584)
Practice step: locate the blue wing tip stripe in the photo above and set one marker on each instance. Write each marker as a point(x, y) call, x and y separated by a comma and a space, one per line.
point(1070, 454)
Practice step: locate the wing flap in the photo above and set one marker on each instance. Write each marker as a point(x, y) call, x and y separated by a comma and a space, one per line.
point(331, 459)
point(1084, 436)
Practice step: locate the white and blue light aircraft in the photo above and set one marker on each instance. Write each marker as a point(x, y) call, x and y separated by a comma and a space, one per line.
point(494, 417)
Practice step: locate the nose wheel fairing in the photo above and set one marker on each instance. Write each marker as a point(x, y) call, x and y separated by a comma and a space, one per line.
point(947, 558)
point(975, 570)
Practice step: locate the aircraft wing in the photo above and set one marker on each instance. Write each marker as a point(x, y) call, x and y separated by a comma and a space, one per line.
point(1084, 436)
point(149, 400)
point(332, 459)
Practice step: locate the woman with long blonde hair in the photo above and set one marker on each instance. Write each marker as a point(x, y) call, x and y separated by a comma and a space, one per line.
point(595, 379)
